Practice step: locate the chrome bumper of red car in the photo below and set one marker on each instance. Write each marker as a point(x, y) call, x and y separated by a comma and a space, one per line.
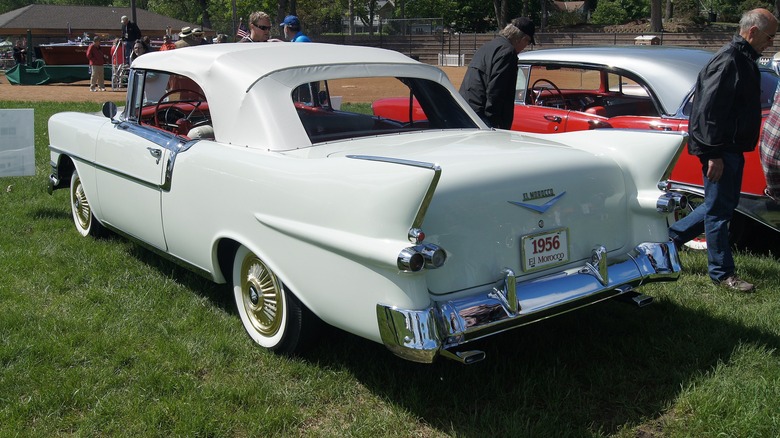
point(422, 335)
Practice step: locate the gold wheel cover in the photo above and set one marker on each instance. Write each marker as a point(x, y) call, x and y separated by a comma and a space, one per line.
point(262, 296)
point(80, 204)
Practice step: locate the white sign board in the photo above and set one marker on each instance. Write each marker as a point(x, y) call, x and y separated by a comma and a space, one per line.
point(17, 142)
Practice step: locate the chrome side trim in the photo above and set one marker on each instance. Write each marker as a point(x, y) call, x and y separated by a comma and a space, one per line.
point(421, 335)
point(165, 140)
point(759, 208)
point(418, 220)
point(683, 146)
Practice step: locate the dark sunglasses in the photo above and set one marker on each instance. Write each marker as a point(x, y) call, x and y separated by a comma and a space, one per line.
point(262, 27)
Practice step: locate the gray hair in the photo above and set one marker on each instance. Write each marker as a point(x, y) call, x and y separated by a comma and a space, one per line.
point(755, 17)
point(512, 33)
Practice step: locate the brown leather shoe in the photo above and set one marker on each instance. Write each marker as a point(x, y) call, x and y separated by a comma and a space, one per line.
point(737, 284)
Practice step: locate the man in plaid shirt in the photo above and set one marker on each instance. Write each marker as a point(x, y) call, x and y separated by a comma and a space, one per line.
point(770, 144)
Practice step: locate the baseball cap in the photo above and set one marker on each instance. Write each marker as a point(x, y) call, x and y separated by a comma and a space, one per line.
point(291, 20)
point(526, 26)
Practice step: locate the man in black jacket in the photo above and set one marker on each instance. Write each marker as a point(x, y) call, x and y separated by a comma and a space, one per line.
point(490, 81)
point(725, 122)
point(130, 33)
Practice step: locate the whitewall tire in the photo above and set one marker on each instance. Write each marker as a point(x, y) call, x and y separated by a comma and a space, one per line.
point(85, 221)
point(272, 316)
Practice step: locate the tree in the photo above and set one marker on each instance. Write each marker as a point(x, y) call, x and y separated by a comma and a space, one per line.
point(656, 24)
point(501, 8)
point(609, 12)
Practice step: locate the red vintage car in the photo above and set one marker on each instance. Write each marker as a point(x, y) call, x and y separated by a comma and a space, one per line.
point(632, 87)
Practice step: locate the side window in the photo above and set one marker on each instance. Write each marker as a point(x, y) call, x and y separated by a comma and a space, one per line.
point(522, 83)
point(562, 87)
point(312, 94)
point(624, 85)
point(687, 107)
point(173, 103)
point(135, 101)
point(768, 88)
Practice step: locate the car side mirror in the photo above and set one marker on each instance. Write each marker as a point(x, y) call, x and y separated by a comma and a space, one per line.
point(109, 109)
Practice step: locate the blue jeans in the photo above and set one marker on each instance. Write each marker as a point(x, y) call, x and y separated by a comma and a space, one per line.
point(713, 215)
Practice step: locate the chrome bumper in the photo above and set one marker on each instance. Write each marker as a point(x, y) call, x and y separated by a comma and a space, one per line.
point(422, 335)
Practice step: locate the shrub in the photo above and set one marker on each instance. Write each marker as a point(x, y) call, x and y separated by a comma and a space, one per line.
point(609, 12)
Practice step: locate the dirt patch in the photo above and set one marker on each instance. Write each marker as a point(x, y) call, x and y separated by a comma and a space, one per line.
point(79, 91)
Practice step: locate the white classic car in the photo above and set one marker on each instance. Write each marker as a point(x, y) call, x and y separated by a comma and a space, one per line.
point(260, 165)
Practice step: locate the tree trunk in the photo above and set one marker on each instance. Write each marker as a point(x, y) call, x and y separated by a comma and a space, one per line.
point(351, 17)
point(281, 12)
point(656, 24)
point(204, 9)
point(371, 7)
point(669, 10)
point(501, 8)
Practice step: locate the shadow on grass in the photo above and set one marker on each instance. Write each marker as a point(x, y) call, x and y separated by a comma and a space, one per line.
point(51, 213)
point(599, 369)
point(596, 370)
point(219, 294)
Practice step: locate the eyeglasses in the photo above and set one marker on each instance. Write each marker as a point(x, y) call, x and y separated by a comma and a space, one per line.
point(262, 27)
point(768, 37)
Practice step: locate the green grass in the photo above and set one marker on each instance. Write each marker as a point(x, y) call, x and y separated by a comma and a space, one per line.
point(102, 338)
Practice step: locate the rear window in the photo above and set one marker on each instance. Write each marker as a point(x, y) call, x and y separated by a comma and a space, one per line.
point(360, 107)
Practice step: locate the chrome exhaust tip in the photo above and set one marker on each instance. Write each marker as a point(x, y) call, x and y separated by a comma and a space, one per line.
point(464, 357)
point(636, 298)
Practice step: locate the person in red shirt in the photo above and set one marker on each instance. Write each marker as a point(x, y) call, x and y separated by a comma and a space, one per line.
point(96, 60)
point(167, 43)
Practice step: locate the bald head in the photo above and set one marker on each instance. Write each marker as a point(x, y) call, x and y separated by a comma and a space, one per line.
point(758, 28)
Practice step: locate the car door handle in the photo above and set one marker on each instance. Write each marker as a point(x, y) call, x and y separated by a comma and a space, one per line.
point(660, 128)
point(556, 119)
point(156, 153)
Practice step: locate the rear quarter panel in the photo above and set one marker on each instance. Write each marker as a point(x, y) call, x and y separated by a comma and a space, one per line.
point(330, 228)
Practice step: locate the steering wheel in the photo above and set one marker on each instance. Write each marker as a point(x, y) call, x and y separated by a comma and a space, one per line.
point(196, 101)
point(549, 90)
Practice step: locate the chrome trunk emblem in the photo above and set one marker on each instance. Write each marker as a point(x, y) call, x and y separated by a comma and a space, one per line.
point(538, 208)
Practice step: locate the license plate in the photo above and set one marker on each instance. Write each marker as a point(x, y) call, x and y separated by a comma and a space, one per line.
point(543, 250)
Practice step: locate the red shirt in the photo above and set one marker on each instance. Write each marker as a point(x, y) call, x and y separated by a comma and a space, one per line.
point(95, 54)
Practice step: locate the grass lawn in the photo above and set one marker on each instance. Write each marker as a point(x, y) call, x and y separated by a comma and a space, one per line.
point(103, 338)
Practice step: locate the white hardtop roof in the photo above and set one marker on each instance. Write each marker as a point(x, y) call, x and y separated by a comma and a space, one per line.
point(244, 63)
point(248, 85)
point(669, 71)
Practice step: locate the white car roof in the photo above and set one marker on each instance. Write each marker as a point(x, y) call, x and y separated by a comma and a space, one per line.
point(244, 63)
point(243, 80)
point(670, 72)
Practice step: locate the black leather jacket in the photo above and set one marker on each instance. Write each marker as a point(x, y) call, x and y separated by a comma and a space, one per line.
point(726, 112)
point(489, 83)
